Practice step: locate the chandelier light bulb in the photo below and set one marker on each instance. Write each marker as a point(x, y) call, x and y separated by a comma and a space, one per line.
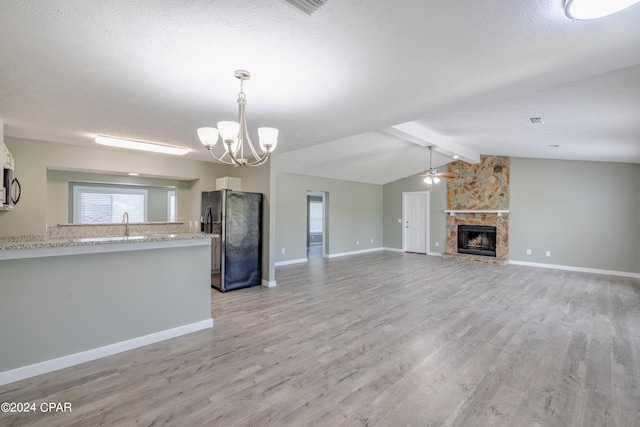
point(268, 137)
point(208, 136)
point(228, 130)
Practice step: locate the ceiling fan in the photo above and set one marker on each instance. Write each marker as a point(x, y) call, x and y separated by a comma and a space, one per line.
point(432, 176)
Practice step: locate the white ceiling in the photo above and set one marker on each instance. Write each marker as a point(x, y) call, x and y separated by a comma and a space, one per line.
point(352, 87)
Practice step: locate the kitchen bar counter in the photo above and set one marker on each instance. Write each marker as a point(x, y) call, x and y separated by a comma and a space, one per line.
point(68, 301)
point(21, 247)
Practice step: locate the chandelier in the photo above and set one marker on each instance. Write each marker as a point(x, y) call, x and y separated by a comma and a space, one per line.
point(238, 148)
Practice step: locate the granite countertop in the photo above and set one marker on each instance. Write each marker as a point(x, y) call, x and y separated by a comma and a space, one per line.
point(34, 242)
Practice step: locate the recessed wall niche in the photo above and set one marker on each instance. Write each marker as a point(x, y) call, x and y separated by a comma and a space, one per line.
point(58, 203)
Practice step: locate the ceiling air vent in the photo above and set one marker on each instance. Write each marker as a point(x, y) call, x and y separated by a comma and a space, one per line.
point(536, 120)
point(307, 6)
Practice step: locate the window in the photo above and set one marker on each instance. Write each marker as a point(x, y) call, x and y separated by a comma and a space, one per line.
point(100, 204)
point(315, 216)
point(171, 205)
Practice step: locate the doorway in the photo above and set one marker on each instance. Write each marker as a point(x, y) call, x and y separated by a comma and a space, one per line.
point(415, 221)
point(316, 224)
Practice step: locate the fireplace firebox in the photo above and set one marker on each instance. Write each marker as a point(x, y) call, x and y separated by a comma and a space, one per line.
point(477, 240)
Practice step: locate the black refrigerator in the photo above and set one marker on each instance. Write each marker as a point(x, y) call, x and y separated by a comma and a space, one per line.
point(237, 217)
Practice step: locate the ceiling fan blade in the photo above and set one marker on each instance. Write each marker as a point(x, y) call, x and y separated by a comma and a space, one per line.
point(448, 175)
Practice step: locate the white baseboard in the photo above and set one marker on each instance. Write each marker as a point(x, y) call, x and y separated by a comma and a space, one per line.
point(301, 260)
point(291, 261)
point(364, 251)
point(269, 283)
point(579, 269)
point(40, 368)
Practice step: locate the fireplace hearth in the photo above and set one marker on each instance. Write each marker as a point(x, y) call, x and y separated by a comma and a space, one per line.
point(477, 240)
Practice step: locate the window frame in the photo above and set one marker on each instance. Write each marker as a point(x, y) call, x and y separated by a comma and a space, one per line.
point(79, 188)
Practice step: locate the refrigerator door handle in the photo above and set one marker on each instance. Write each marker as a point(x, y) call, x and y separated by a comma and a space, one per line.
point(208, 219)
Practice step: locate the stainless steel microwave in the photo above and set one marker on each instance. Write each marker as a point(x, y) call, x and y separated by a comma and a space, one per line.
point(11, 191)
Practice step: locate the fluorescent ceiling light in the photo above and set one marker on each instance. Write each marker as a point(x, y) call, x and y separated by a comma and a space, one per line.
point(141, 145)
point(592, 9)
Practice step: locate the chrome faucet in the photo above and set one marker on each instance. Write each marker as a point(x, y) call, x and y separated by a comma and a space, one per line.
point(125, 221)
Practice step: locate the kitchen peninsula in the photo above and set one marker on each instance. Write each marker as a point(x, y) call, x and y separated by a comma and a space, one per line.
point(68, 301)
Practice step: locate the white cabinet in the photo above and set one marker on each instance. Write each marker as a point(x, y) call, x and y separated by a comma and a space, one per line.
point(228, 183)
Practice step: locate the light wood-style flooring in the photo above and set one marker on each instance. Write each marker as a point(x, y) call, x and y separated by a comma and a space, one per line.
point(380, 339)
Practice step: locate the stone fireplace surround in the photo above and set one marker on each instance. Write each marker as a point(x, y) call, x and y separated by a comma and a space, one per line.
point(479, 196)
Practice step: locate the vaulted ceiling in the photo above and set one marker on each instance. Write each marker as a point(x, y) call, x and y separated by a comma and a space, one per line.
point(357, 89)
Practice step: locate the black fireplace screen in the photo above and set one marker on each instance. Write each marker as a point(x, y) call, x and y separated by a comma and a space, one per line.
point(477, 240)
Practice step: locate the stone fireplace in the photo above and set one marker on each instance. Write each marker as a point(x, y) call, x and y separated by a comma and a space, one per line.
point(478, 211)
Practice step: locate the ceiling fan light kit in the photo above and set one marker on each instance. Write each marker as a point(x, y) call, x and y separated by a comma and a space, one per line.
point(432, 176)
point(593, 9)
point(235, 136)
point(431, 180)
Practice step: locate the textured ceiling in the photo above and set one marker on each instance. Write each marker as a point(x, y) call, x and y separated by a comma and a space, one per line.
point(343, 85)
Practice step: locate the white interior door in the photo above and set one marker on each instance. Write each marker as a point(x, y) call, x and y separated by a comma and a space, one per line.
point(415, 222)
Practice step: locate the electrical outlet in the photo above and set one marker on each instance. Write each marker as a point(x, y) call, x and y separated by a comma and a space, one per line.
point(357, 242)
point(528, 251)
point(371, 241)
point(437, 244)
point(282, 250)
point(548, 253)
